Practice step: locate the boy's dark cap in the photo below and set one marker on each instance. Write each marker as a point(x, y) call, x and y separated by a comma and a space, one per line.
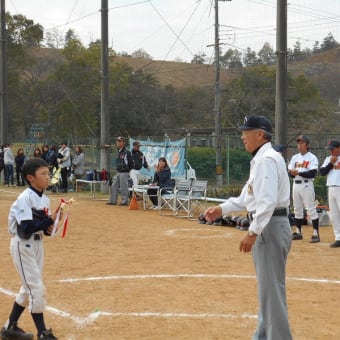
point(63, 143)
point(120, 139)
point(253, 122)
point(333, 143)
point(136, 142)
point(303, 138)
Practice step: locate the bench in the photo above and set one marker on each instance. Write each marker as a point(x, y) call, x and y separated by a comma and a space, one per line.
point(92, 185)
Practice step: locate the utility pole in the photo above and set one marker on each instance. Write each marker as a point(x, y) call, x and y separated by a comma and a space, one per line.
point(281, 75)
point(3, 76)
point(104, 113)
point(217, 110)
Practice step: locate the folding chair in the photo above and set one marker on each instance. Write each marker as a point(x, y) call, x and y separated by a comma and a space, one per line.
point(182, 198)
point(198, 197)
point(166, 201)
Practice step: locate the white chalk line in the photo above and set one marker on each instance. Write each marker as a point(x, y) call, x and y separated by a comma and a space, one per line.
point(95, 315)
point(176, 276)
point(82, 321)
point(222, 233)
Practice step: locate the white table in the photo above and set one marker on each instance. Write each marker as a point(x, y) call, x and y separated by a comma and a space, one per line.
point(92, 185)
point(143, 190)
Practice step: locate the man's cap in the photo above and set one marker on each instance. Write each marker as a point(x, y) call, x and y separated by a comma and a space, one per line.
point(253, 122)
point(136, 142)
point(120, 139)
point(303, 138)
point(333, 143)
point(63, 143)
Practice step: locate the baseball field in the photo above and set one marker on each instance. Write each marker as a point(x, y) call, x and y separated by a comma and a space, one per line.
point(133, 274)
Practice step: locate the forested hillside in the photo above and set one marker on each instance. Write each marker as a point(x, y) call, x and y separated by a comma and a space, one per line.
point(60, 89)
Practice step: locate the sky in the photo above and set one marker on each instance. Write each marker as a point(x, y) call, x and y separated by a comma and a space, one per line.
point(179, 29)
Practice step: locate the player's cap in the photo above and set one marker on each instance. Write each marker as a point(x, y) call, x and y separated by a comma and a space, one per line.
point(333, 143)
point(120, 139)
point(256, 122)
point(303, 138)
point(136, 142)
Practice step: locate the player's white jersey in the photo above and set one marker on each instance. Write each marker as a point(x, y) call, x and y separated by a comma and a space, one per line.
point(21, 209)
point(303, 163)
point(333, 177)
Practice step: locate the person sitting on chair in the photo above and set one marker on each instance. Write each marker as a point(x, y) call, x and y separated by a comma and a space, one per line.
point(162, 178)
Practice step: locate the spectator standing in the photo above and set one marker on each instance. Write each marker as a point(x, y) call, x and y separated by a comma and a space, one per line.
point(331, 169)
point(52, 158)
point(303, 168)
point(64, 161)
point(37, 153)
point(44, 152)
point(9, 165)
point(162, 178)
point(19, 162)
point(266, 197)
point(78, 162)
point(139, 161)
point(2, 162)
point(121, 180)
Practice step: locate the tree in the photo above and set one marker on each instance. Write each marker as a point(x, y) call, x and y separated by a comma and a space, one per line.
point(23, 31)
point(253, 92)
point(250, 58)
point(22, 34)
point(73, 46)
point(329, 43)
point(266, 55)
point(316, 47)
point(199, 58)
point(54, 39)
point(297, 53)
point(141, 54)
point(231, 59)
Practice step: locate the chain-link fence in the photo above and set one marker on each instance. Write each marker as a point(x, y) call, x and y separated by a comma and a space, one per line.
point(201, 154)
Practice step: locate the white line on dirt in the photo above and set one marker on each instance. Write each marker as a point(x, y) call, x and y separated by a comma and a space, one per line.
point(81, 321)
point(220, 233)
point(95, 315)
point(175, 276)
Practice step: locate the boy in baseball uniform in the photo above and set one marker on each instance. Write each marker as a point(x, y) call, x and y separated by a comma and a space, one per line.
point(331, 169)
point(303, 167)
point(29, 219)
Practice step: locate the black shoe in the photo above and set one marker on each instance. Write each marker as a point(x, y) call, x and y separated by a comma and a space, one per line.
point(123, 204)
point(47, 335)
point(297, 236)
point(315, 239)
point(111, 203)
point(335, 244)
point(15, 333)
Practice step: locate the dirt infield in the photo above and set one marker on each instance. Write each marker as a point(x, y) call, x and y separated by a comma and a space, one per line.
point(123, 274)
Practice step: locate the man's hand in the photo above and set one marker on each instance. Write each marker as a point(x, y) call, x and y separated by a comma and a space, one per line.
point(212, 213)
point(247, 243)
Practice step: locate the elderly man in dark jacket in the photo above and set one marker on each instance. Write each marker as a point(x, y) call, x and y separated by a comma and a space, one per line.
point(121, 180)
